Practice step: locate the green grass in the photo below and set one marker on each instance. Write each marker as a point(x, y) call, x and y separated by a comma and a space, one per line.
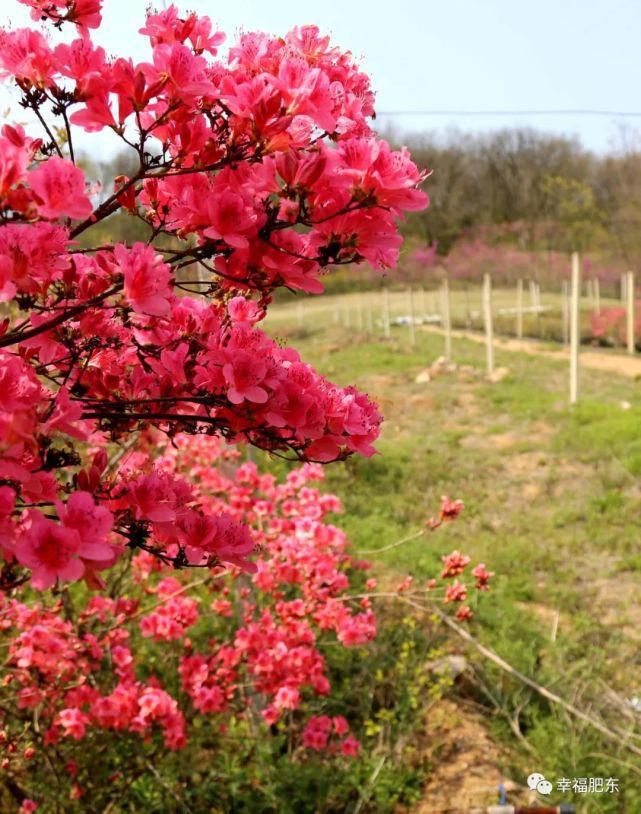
point(552, 507)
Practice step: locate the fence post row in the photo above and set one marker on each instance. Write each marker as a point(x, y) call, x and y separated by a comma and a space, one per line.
point(574, 329)
point(571, 295)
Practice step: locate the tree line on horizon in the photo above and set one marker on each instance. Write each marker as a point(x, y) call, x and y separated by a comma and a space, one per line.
point(531, 190)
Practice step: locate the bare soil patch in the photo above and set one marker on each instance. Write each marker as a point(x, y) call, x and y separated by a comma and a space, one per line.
point(465, 763)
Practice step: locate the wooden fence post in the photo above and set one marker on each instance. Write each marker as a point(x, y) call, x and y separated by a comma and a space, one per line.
point(519, 308)
point(412, 326)
point(468, 308)
point(574, 329)
point(487, 317)
point(359, 312)
point(597, 296)
point(447, 318)
point(537, 290)
point(386, 314)
point(370, 315)
point(629, 290)
point(565, 306)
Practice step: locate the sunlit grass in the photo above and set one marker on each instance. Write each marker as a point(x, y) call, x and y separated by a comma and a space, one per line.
point(551, 496)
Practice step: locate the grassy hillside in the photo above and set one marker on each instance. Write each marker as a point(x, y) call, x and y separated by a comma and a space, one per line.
point(552, 506)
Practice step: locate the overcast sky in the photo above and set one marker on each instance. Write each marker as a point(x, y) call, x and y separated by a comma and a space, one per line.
point(453, 54)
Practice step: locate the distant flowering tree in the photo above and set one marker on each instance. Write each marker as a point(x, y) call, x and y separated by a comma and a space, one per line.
point(253, 172)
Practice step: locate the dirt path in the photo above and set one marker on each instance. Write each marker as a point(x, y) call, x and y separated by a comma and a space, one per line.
point(596, 360)
point(464, 762)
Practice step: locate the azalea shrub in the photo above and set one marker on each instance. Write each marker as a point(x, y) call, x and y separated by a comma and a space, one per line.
point(609, 325)
point(255, 172)
point(219, 675)
point(172, 619)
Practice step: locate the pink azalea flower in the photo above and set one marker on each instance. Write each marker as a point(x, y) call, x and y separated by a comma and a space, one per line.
point(147, 279)
point(243, 311)
point(482, 576)
point(350, 747)
point(26, 54)
point(245, 374)
point(81, 12)
point(74, 722)
point(92, 522)
point(59, 187)
point(464, 614)
point(454, 564)
point(13, 164)
point(32, 256)
point(456, 592)
point(50, 550)
point(340, 725)
point(230, 219)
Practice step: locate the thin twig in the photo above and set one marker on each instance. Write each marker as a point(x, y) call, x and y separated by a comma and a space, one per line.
point(413, 536)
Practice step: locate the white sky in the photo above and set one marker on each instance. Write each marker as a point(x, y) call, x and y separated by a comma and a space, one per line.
point(459, 54)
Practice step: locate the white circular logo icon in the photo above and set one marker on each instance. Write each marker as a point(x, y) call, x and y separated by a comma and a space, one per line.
point(534, 779)
point(544, 787)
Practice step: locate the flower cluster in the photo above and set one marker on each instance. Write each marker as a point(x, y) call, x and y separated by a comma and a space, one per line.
point(254, 170)
point(320, 729)
point(82, 671)
point(155, 656)
point(454, 565)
